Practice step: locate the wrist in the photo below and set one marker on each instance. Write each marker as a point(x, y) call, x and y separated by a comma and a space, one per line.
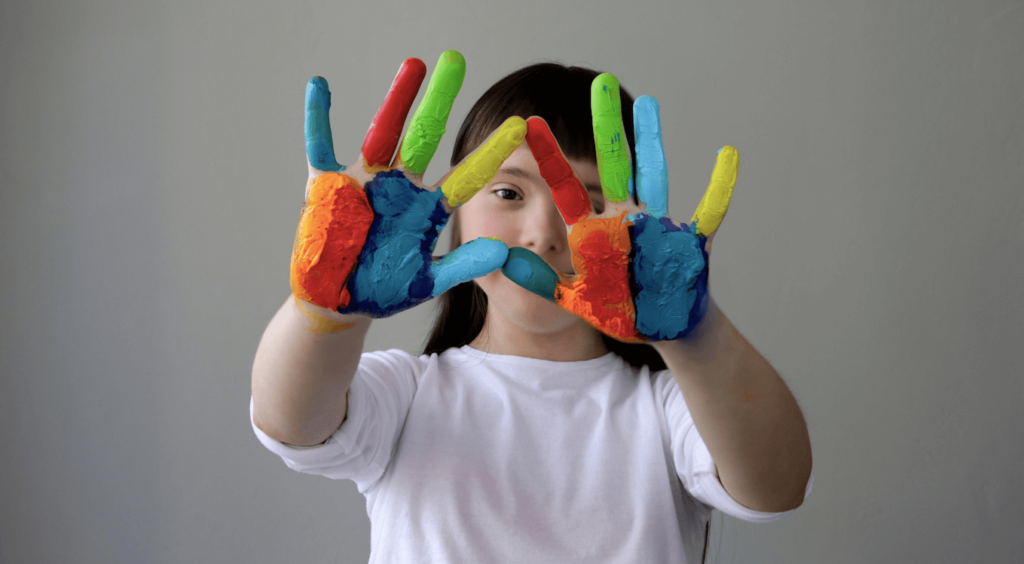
point(702, 333)
point(323, 321)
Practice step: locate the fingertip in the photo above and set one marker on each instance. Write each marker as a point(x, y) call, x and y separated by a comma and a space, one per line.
point(605, 81)
point(530, 272)
point(729, 152)
point(492, 250)
point(316, 82)
point(646, 103)
point(416, 66)
point(452, 57)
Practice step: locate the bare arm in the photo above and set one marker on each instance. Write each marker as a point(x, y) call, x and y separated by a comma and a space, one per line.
point(750, 421)
point(304, 367)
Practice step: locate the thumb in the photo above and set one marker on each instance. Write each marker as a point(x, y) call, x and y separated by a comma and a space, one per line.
point(474, 259)
point(530, 272)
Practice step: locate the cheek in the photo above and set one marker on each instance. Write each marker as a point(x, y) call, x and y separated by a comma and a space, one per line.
point(475, 225)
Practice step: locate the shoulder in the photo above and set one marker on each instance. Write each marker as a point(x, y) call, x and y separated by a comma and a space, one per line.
point(667, 391)
point(395, 362)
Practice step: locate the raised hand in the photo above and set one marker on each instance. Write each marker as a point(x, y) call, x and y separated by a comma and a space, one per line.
point(638, 276)
point(367, 231)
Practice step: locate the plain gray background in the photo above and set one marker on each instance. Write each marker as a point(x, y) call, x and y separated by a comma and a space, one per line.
point(152, 170)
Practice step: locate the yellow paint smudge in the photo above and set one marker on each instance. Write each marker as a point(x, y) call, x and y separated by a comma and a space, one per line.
point(321, 325)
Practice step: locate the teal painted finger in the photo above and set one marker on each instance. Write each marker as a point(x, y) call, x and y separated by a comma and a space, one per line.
point(431, 117)
point(531, 272)
point(474, 259)
point(613, 162)
point(319, 142)
point(651, 169)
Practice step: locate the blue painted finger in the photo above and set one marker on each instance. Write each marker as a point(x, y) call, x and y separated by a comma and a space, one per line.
point(651, 171)
point(530, 272)
point(474, 259)
point(319, 143)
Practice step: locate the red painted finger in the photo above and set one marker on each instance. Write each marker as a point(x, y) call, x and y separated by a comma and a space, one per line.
point(386, 128)
point(569, 193)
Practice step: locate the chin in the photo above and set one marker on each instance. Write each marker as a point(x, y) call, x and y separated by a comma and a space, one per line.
point(524, 308)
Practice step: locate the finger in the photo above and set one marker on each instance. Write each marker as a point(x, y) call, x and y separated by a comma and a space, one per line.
point(651, 169)
point(319, 143)
point(479, 168)
point(386, 127)
point(570, 194)
point(531, 272)
point(613, 161)
point(474, 259)
point(431, 115)
point(715, 203)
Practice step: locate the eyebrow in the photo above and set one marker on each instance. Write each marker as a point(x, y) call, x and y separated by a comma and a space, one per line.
point(515, 171)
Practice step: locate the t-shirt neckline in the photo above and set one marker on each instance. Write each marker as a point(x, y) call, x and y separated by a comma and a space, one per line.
point(588, 364)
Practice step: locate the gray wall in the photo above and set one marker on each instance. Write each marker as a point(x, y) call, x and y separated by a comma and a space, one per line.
point(152, 170)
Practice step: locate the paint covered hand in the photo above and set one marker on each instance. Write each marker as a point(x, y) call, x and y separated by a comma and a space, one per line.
point(367, 232)
point(638, 276)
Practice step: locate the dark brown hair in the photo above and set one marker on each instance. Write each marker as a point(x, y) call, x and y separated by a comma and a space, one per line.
point(560, 95)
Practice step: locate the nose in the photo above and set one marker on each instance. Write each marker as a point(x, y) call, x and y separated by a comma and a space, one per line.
point(545, 231)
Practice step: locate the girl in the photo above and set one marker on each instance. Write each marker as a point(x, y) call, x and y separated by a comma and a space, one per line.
point(581, 397)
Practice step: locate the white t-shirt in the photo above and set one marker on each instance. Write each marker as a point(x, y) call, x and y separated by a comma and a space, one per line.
point(475, 457)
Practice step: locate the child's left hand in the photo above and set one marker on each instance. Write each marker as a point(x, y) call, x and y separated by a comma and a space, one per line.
point(639, 276)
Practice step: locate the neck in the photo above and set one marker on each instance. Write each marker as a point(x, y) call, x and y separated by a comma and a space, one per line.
point(577, 341)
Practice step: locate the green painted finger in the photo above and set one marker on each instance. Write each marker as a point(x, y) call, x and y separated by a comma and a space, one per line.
point(483, 164)
point(613, 161)
point(530, 272)
point(428, 123)
point(712, 207)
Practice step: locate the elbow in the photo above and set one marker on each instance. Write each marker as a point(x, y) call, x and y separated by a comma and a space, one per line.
point(796, 493)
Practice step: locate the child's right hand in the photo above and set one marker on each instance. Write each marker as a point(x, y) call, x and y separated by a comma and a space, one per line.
point(368, 251)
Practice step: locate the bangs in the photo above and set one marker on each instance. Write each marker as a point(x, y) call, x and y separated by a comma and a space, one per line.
point(557, 93)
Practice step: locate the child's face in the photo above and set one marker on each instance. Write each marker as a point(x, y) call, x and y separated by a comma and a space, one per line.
point(517, 207)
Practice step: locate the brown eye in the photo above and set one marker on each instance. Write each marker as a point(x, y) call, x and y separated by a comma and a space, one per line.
point(507, 194)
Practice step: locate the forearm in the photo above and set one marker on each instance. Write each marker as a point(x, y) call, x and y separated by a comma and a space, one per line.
point(745, 413)
point(302, 372)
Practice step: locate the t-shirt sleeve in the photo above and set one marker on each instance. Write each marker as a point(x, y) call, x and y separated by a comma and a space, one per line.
point(693, 462)
point(360, 450)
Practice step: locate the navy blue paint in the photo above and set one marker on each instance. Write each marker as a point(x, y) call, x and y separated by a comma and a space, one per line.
point(669, 277)
point(394, 268)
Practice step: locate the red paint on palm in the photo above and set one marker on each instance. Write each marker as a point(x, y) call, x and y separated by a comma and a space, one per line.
point(569, 193)
point(331, 233)
point(600, 292)
point(386, 128)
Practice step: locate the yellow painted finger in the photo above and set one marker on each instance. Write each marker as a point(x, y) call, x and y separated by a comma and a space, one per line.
point(715, 203)
point(483, 164)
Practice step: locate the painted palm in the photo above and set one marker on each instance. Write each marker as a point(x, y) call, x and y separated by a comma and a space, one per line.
point(638, 276)
point(367, 231)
